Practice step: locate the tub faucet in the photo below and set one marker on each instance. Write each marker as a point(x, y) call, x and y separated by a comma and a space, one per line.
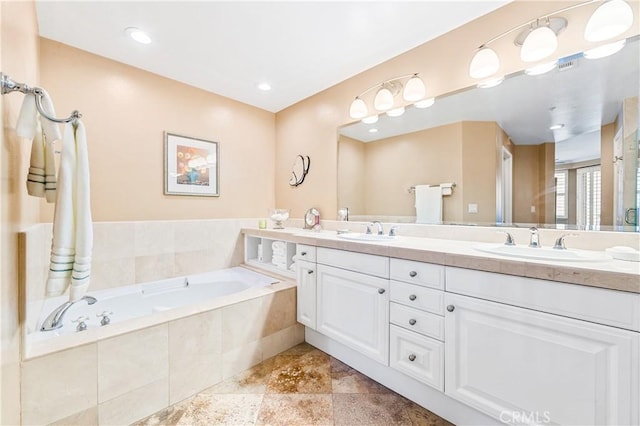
point(380, 229)
point(534, 242)
point(54, 320)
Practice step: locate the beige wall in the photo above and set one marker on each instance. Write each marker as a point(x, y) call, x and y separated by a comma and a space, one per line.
point(351, 189)
point(309, 127)
point(526, 193)
point(19, 60)
point(126, 110)
point(547, 165)
point(607, 134)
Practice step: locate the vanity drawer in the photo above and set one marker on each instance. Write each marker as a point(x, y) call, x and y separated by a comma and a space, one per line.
point(417, 356)
point(363, 263)
point(304, 252)
point(419, 321)
point(410, 271)
point(418, 297)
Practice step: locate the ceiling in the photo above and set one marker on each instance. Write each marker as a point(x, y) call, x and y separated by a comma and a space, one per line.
point(228, 48)
point(583, 97)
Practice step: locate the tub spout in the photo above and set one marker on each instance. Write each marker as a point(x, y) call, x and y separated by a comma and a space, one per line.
point(54, 320)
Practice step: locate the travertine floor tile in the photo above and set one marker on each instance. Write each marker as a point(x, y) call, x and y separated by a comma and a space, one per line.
point(296, 409)
point(370, 409)
point(345, 379)
point(308, 373)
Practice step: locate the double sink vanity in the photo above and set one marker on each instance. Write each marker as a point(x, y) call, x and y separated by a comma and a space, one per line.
point(472, 335)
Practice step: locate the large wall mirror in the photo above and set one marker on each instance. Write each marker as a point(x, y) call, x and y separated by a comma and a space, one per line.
point(558, 149)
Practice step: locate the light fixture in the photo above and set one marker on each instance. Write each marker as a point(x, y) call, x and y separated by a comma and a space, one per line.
point(425, 103)
point(605, 50)
point(541, 68)
point(411, 86)
point(556, 126)
point(373, 130)
point(265, 87)
point(539, 44)
point(370, 120)
point(138, 35)
point(492, 82)
point(609, 20)
point(538, 37)
point(484, 63)
point(396, 112)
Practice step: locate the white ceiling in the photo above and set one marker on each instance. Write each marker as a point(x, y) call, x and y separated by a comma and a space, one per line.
point(300, 48)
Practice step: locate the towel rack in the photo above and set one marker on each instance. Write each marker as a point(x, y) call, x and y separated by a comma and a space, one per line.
point(9, 86)
point(442, 185)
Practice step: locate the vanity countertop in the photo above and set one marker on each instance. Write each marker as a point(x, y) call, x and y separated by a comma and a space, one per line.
point(610, 274)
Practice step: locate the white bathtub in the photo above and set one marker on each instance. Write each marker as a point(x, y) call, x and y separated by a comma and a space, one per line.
point(145, 300)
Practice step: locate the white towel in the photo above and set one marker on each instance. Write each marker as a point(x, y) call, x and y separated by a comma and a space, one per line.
point(72, 227)
point(28, 118)
point(278, 245)
point(428, 204)
point(36, 177)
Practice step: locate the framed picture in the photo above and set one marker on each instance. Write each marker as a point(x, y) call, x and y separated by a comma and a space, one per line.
point(191, 166)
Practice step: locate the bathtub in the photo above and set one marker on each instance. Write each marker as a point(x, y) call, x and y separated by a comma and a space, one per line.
point(150, 303)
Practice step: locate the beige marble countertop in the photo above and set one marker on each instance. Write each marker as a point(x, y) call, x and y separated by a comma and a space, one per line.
point(610, 274)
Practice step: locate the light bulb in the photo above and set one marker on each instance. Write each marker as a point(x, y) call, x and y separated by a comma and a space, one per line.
point(484, 63)
point(383, 100)
point(414, 90)
point(358, 109)
point(609, 20)
point(138, 35)
point(540, 43)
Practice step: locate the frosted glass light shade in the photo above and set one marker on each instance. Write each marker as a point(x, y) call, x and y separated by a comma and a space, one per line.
point(383, 100)
point(540, 43)
point(484, 63)
point(609, 20)
point(358, 109)
point(414, 90)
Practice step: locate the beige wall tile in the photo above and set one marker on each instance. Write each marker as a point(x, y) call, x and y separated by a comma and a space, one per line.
point(153, 238)
point(242, 323)
point(131, 361)
point(194, 262)
point(195, 354)
point(135, 405)
point(85, 417)
point(112, 273)
point(241, 358)
point(59, 385)
point(280, 311)
point(155, 267)
point(192, 235)
point(282, 340)
point(113, 240)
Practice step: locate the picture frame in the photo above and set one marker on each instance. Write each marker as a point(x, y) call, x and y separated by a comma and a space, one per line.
point(191, 166)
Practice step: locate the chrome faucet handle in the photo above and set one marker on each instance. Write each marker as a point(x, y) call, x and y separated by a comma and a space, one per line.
point(369, 228)
point(534, 242)
point(559, 245)
point(82, 325)
point(105, 317)
point(510, 240)
point(392, 231)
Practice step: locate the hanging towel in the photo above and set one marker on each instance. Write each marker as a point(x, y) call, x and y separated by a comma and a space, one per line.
point(27, 119)
point(72, 227)
point(428, 204)
point(36, 177)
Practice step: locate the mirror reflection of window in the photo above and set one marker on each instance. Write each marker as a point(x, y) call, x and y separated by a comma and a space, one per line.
point(589, 197)
point(562, 210)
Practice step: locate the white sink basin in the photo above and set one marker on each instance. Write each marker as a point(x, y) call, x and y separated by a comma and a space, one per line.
point(544, 253)
point(366, 237)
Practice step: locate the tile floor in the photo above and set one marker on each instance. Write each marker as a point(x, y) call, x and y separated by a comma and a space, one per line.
point(301, 386)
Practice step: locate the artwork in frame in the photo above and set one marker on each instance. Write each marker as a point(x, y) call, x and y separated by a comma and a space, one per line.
point(191, 166)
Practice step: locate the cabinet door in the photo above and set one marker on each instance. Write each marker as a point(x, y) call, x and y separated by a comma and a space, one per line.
point(526, 367)
point(353, 309)
point(306, 296)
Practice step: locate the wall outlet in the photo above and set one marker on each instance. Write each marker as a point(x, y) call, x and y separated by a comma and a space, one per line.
point(533, 209)
point(472, 208)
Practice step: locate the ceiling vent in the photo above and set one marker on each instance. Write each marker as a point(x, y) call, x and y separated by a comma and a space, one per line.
point(568, 62)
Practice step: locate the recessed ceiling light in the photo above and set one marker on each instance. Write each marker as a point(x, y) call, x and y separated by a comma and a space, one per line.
point(138, 35)
point(490, 83)
point(541, 69)
point(374, 130)
point(370, 120)
point(265, 87)
point(605, 50)
point(425, 103)
point(556, 126)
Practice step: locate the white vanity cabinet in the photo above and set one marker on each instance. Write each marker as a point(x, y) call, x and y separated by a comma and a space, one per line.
point(353, 307)
point(306, 293)
point(523, 366)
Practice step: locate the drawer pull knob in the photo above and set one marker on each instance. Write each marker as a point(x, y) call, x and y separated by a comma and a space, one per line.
point(304, 253)
point(413, 297)
point(412, 357)
point(310, 271)
point(381, 290)
point(412, 321)
point(451, 308)
point(413, 274)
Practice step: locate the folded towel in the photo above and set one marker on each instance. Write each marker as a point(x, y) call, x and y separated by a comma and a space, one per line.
point(72, 228)
point(428, 204)
point(279, 258)
point(279, 251)
point(28, 117)
point(278, 245)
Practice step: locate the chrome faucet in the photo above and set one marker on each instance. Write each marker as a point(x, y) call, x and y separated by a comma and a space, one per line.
point(380, 229)
point(54, 320)
point(510, 241)
point(559, 245)
point(534, 242)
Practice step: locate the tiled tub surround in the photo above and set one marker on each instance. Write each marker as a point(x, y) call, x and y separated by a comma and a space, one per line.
point(121, 379)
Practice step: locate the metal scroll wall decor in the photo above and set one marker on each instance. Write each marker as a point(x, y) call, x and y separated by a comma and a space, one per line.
point(300, 170)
